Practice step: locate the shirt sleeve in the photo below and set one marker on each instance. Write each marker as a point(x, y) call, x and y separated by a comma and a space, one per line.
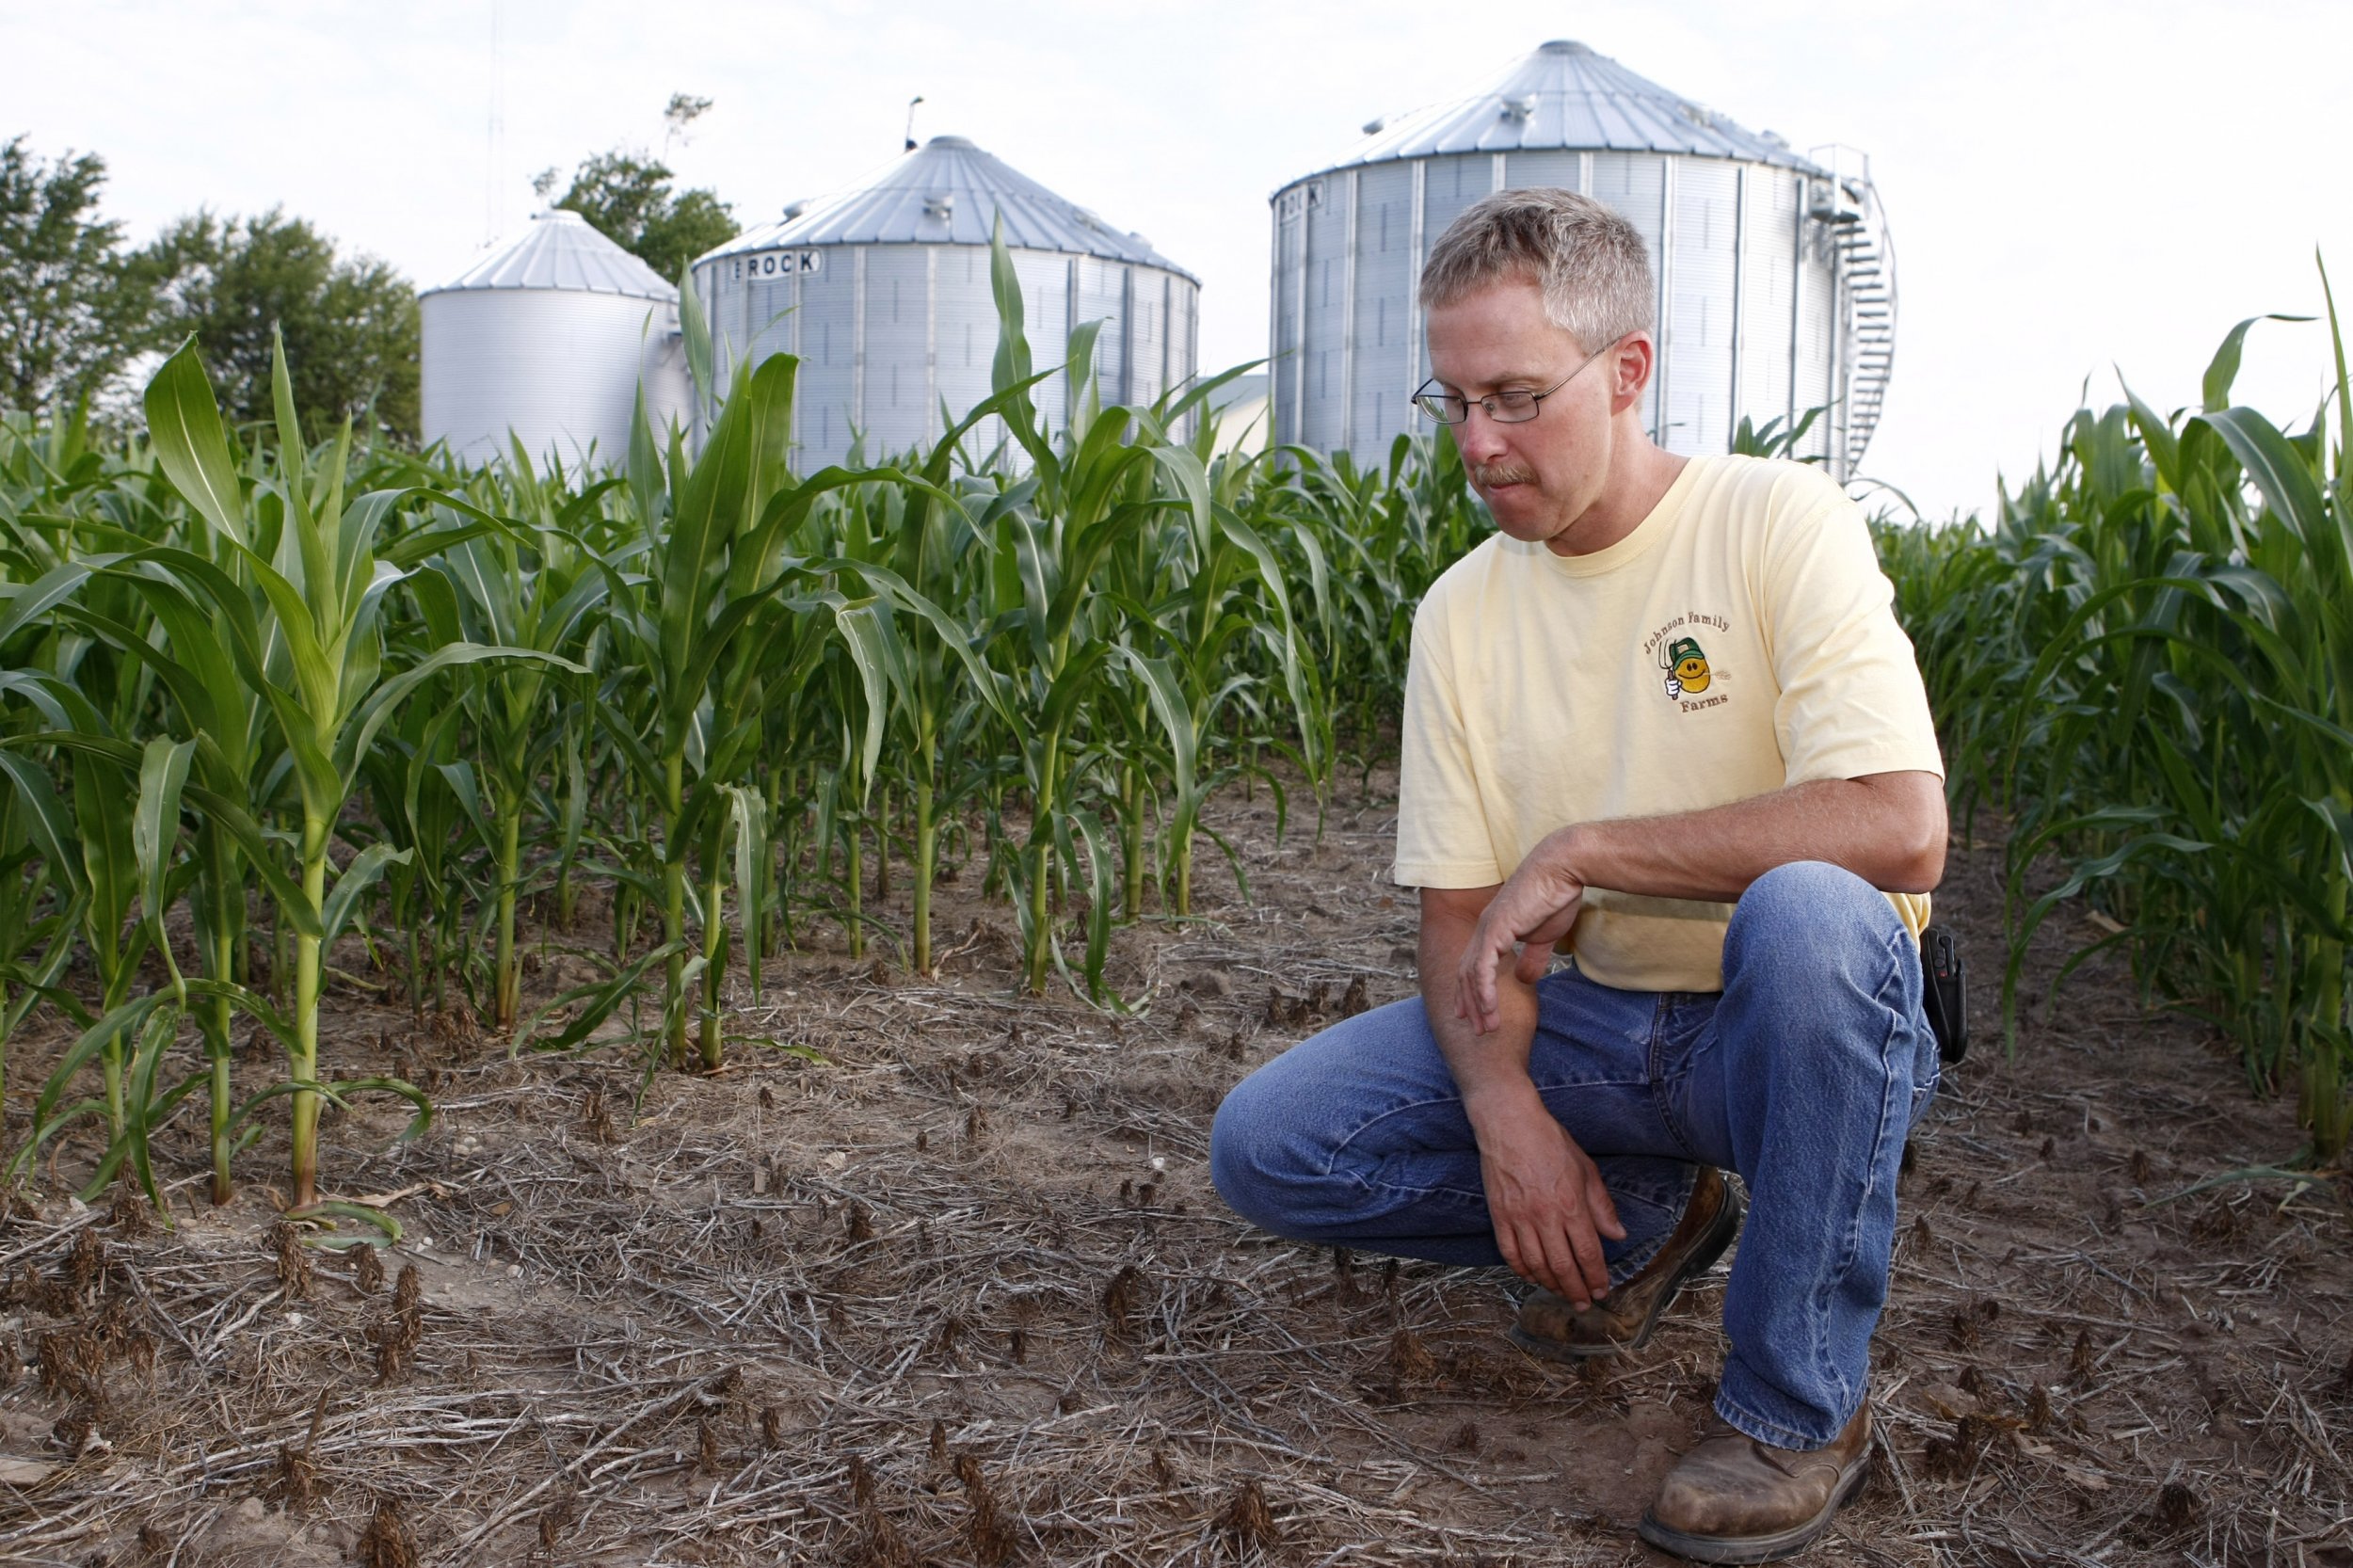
point(1442, 838)
point(1851, 699)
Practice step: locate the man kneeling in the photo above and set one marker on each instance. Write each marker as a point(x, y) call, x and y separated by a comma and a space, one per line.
point(1666, 721)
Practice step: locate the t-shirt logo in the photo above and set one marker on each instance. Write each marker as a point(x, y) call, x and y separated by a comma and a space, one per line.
point(1686, 666)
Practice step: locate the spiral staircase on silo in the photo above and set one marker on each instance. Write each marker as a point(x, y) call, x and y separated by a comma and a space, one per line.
point(1848, 203)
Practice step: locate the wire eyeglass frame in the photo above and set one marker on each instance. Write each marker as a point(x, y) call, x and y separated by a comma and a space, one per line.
point(1503, 407)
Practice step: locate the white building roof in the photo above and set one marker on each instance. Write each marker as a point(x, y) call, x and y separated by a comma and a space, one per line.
point(559, 249)
point(948, 192)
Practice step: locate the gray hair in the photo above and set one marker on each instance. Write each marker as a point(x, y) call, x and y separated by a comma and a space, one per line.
point(1588, 261)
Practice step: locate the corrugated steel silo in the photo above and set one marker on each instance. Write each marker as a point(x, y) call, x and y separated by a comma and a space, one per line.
point(549, 337)
point(883, 293)
point(1776, 276)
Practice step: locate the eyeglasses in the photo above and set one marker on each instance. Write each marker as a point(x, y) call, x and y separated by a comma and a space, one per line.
point(1514, 406)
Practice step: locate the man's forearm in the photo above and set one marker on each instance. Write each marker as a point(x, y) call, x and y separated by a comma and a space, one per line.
point(1491, 1069)
point(1551, 1210)
point(1889, 829)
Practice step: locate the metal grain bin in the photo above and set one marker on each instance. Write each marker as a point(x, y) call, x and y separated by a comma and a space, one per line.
point(548, 338)
point(1776, 277)
point(883, 293)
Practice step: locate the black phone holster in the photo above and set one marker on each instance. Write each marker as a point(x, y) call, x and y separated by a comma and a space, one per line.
point(1944, 980)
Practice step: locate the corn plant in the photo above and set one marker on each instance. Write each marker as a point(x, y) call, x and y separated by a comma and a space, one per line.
point(417, 810)
point(1089, 496)
point(693, 623)
point(306, 637)
point(1365, 542)
point(517, 586)
point(2149, 663)
point(1232, 590)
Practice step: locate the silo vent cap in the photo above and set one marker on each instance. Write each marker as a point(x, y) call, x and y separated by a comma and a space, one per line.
point(941, 204)
point(1562, 46)
point(1519, 108)
point(794, 209)
point(950, 141)
point(1377, 124)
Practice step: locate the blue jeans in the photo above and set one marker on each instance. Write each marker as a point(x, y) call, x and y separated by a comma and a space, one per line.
point(1803, 1074)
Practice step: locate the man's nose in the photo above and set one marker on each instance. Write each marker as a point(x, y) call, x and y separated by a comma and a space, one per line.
point(1478, 438)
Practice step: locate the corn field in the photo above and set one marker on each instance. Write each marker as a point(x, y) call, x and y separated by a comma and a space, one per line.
point(2146, 665)
point(273, 710)
point(278, 715)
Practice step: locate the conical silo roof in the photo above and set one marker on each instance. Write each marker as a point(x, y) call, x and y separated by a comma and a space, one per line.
point(561, 249)
point(948, 192)
point(1566, 96)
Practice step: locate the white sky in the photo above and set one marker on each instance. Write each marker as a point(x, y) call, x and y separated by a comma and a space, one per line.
point(2074, 187)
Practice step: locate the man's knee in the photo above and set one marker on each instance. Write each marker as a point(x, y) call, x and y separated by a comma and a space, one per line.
point(1257, 1157)
point(1821, 966)
point(1237, 1146)
point(1806, 889)
point(1808, 916)
point(1276, 1143)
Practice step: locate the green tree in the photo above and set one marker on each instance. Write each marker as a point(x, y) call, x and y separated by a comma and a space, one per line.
point(74, 308)
point(350, 324)
point(627, 198)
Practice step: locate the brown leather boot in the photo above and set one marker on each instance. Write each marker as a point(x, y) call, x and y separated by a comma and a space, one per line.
point(1622, 1321)
point(1735, 1499)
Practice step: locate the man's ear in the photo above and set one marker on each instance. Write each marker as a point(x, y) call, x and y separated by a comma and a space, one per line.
point(1630, 366)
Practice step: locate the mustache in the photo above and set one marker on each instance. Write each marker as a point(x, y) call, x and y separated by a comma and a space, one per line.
point(1486, 474)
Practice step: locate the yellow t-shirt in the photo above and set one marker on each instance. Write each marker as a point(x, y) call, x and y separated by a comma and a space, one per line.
point(1739, 640)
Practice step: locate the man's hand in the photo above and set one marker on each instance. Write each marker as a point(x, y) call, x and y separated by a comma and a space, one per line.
point(1546, 1198)
point(1533, 909)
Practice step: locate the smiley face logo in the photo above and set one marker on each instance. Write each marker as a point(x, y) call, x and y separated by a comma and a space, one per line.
point(1686, 666)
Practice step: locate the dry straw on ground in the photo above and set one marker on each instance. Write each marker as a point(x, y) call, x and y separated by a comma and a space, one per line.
point(961, 1294)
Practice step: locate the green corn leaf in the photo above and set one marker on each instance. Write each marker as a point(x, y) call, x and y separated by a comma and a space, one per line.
point(2222, 370)
point(47, 820)
point(1166, 695)
point(128, 1018)
point(386, 1229)
point(458, 776)
point(419, 1124)
point(152, 1111)
point(381, 703)
point(645, 478)
point(43, 1130)
point(156, 832)
point(280, 1090)
point(709, 505)
point(191, 447)
point(694, 329)
point(1079, 374)
point(1102, 867)
point(864, 632)
point(29, 604)
point(365, 870)
point(597, 1001)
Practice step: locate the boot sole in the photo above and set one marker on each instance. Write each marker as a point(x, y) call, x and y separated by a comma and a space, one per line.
point(1701, 1258)
point(1761, 1549)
